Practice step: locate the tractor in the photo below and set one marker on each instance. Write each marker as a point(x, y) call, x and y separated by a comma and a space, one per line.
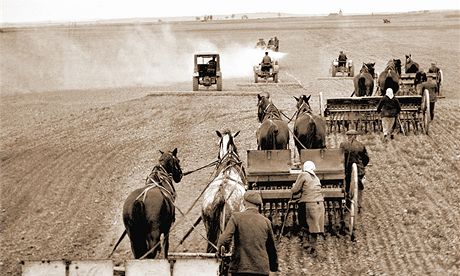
point(207, 71)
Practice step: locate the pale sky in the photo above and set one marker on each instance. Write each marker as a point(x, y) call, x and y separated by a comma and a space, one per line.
point(16, 11)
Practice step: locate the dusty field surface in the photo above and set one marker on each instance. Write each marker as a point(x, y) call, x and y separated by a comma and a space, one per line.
point(84, 113)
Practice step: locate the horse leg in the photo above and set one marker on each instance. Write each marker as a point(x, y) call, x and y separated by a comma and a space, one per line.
point(165, 245)
point(138, 243)
point(153, 240)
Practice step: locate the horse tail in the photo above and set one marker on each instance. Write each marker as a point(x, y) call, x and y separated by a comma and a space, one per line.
point(139, 220)
point(271, 135)
point(213, 221)
point(362, 86)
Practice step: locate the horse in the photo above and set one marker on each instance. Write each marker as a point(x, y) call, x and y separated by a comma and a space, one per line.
point(273, 133)
point(389, 78)
point(364, 81)
point(309, 129)
point(149, 211)
point(224, 195)
point(410, 66)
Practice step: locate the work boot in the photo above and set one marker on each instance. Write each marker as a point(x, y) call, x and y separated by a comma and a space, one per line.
point(305, 242)
point(312, 250)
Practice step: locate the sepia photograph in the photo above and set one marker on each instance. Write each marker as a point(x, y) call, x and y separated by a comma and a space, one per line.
point(176, 138)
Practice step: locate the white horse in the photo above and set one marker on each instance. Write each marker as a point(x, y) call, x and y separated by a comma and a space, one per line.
point(224, 195)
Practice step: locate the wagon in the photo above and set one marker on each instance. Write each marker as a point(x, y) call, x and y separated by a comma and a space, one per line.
point(272, 173)
point(360, 113)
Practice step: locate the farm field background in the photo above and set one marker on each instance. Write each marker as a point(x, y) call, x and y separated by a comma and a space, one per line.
point(85, 109)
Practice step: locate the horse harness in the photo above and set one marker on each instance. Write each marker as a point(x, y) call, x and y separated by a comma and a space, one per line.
point(150, 183)
point(273, 114)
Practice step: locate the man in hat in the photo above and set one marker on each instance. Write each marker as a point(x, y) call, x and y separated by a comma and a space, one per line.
point(342, 59)
point(254, 244)
point(433, 68)
point(355, 152)
point(311, 205)
point(389, 109)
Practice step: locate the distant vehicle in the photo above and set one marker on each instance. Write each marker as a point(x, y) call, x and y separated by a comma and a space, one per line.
point(346, 70)
point(207, 71)
point(270, 71)
point(386, 20)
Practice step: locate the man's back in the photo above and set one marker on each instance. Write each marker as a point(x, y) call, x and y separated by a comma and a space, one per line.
point(355, 152)
point(255, 250)
point(342, 57)
point(266, 60)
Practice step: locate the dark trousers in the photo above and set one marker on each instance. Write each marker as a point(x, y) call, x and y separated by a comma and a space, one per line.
point(432, 110)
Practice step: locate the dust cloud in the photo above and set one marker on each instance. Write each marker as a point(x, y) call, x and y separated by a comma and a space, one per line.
point(95, 57)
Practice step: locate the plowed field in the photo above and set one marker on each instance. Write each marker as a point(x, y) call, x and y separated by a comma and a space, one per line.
point(84, 111)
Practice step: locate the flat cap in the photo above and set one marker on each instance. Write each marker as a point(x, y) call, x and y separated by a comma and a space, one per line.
point(352, 132)
point(253, 197)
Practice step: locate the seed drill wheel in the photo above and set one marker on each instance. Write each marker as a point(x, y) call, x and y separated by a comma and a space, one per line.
point(256, 78)
point(426, 111)
point(334, 70)
point(195, 84)
point(353, 198)
point(275, 78)
point(321, 104)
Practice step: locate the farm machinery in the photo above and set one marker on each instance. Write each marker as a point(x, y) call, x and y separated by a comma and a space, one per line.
point(360, 113)
point(266, 72)
point(271, 172)
point(347, 70)
point(207, 71)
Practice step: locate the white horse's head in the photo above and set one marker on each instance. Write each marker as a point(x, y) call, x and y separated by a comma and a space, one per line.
point(226, 143)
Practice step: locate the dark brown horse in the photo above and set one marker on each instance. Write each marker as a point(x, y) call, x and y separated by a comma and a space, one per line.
point(389, 78)
point(364, 81)
point(148, 212)
point(309, 129)
point(273, 133)
point(411, 66)
point(224, 195)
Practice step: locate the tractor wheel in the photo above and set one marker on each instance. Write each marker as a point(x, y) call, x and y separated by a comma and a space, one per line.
point(256, 78)
point(195, 84)
point(351, 73)
point(219, 84)
point(353, 198)
point(334, 71)
point(275, 78)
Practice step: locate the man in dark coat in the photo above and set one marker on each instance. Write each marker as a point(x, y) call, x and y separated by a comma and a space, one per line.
point(254, 244)
point(355, 152)
point(389, 109)
point(342, 59)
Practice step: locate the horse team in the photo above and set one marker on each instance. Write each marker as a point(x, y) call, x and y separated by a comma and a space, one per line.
point(388, 78)
point(149, 212)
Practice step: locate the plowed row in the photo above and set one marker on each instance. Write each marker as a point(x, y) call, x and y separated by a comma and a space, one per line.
point(68, 159)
